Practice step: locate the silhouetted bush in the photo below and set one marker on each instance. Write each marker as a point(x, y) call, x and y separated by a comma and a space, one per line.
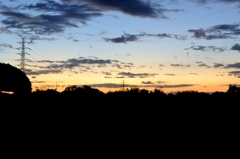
point(14, 80)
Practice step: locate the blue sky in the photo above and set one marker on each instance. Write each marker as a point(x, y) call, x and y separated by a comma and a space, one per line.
point(175, 45)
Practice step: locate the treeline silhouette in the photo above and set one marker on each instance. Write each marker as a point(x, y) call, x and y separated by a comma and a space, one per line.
point(86, 95)
point(14, 80)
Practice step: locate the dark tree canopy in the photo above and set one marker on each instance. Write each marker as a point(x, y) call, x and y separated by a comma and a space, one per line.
point(14, 80)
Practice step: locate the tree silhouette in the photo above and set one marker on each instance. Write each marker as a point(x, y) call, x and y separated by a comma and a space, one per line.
point(74, 90)
point(13, 80)
point(233, 89)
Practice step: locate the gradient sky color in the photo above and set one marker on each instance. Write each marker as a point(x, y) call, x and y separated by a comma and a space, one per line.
point(175, 45)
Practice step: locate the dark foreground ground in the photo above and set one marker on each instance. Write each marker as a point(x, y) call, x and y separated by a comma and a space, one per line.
point(117, 114)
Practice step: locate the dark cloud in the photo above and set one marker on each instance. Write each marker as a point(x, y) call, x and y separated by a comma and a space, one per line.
point(110, 85)
point(83, 65)
point(107, 73)
point(46, 71)
point(206, 48)
point(116, 85)
point(175, 86)
point(44, 22)
point(60, 66)
point(123, 39)
point(236, 47)
point(223, 31)
point(132, 38)
point(135, 75)
point(201, 64)
point(217, 65)
point(164, 35)
point(234, 73)
point(179, 65)
point(215, 1)
point(147, 82)
point(235, 65)
point(199, 33)
point(140, 8)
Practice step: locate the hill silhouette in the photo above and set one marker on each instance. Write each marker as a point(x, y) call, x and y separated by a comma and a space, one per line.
point(13, 80)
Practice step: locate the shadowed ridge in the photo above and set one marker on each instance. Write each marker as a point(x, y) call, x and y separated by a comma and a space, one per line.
point(14, 80)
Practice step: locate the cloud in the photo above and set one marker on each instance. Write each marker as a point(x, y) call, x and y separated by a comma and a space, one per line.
point(46, 71)
point(147, 82)
point(43, 22)
point(139, 8)
point(60, 66)
point(170, 74)
point(236, 47)
point(38, 81)
point(217, 65)
point(159, 82)
point(175, 86)
point(235, 73)
point(107, 73)
point(83, 65)
point(116, 85)
point(132, 38)
point(123, 39)
point(4, 45)
point(235, 65)
point(136, 75)
point(206, 48)
point(199, 33)
point(201, 64)
point(110, 85)
point(223, 31)
point(215, 1)
point(179, 65)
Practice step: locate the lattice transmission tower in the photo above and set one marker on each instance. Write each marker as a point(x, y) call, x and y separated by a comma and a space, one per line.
point(22, 61)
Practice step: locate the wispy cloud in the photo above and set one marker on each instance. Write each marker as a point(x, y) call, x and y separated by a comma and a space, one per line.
point(201, 64)
point(223, 31)
point(175, 86)
point(179, 65)
point(206, 48)
point(234, 73)
point(136, 75)
point(4, 45)
point(147, 82)
point(125, 38)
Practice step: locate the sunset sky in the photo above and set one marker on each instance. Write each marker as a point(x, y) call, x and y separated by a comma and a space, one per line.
point(175, 45)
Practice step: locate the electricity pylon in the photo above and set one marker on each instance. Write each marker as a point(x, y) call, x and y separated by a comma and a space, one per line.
point(22, 65)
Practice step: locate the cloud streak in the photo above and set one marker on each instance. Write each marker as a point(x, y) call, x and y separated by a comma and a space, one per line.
point(136, 75)
point(206, 48)
point(223, 31)
point(125, 38)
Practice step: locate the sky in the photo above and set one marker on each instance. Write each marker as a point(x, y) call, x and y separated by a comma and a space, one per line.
point(173, 45)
